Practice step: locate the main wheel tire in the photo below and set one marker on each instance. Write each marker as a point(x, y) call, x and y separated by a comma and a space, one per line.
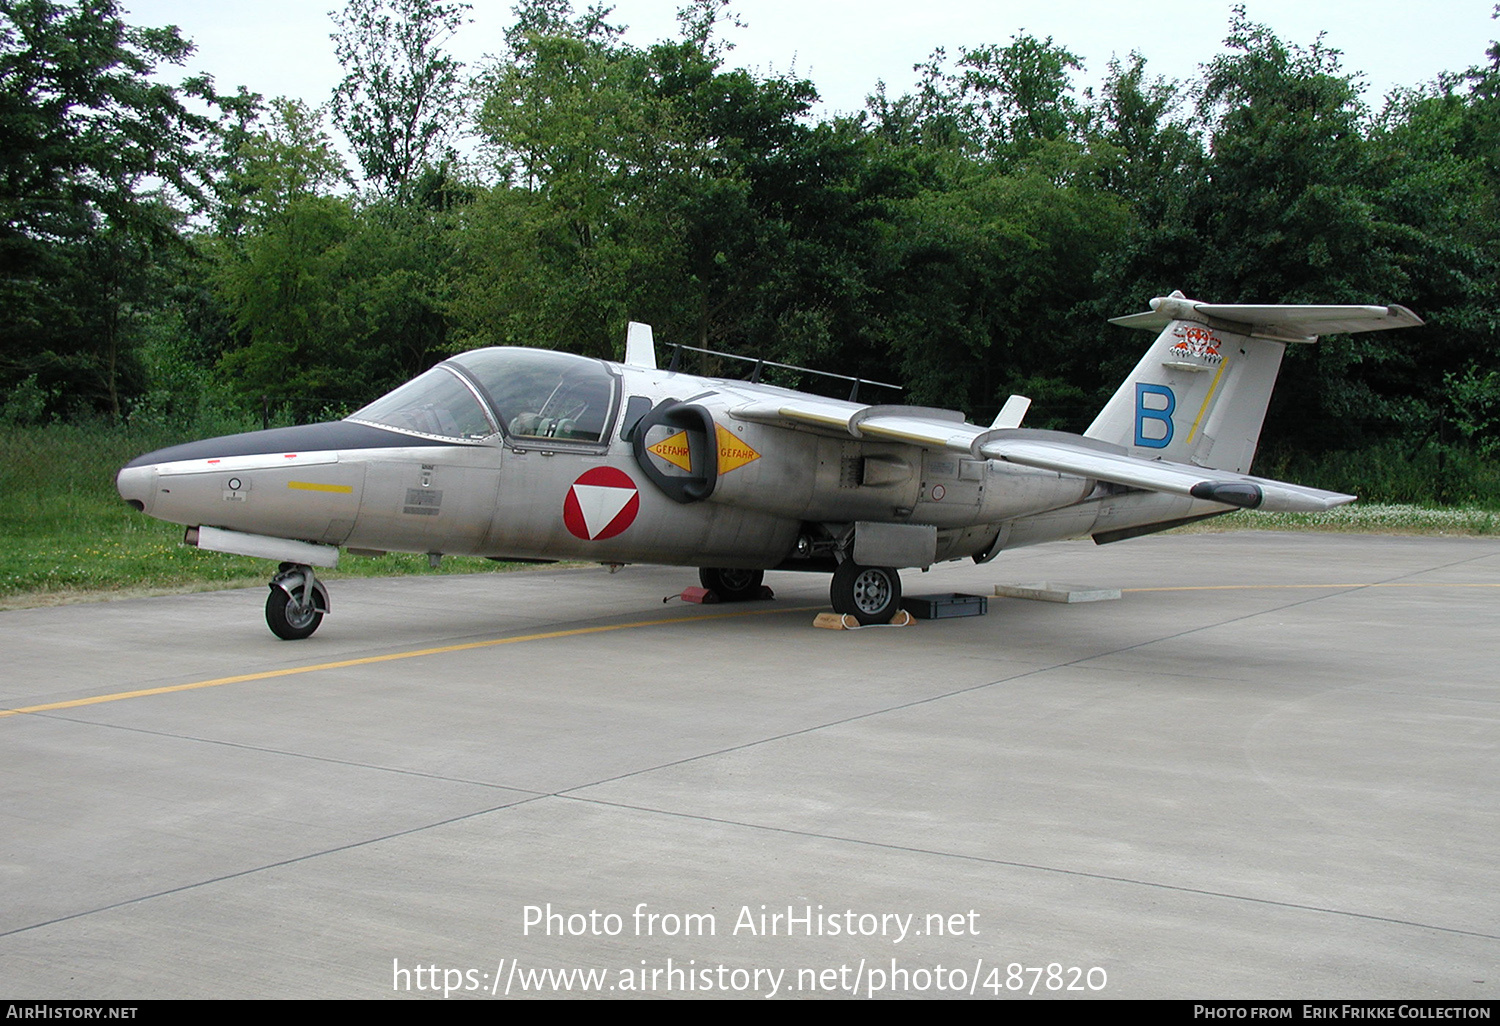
point(871, 594)
point(287, 621)
point(732, 585)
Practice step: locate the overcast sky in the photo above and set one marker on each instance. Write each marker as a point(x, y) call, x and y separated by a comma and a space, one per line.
point(281, 47)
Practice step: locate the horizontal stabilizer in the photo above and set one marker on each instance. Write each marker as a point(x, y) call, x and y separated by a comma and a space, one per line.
point(1285, 322)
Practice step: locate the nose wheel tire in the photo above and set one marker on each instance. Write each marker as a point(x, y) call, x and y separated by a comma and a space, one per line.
point(732, 585)
point(289, 620)
point(871, 594)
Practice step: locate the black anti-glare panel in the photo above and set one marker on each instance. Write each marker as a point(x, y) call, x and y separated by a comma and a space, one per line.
point(339, 434)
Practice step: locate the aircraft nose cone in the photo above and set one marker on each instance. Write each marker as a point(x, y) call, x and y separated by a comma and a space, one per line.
point(137, 485)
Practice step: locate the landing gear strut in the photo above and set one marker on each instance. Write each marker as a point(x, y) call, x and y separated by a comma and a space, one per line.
point(871, 594)
point(297, 602)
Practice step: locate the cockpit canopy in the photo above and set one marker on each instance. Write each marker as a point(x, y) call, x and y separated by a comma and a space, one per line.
point(523, 393)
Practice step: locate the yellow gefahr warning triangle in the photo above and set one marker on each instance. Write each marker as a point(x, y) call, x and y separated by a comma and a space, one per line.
point(733, 452)
point(674, 450)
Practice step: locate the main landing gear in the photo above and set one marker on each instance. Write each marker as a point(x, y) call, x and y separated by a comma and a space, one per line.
point(732, 585)
point(870, 594)
point(297, 602)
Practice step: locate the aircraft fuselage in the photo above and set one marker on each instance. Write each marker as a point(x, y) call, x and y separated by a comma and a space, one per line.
point(370, 487)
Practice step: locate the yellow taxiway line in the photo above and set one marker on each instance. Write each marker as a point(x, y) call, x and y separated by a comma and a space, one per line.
point(574, 632)
point(291, 671)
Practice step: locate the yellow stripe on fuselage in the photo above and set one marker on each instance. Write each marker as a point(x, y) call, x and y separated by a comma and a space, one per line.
point(314, 486)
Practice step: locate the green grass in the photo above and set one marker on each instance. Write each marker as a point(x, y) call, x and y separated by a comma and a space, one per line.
point(1367, 518)
point(1393, 472)
point(65, 535)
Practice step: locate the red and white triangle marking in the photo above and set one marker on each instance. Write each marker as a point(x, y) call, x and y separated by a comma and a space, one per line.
point(602, 503)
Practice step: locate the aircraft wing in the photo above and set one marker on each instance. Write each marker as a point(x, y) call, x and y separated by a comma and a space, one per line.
point(916, 425)
point(1046, 450)
point(1065, 455)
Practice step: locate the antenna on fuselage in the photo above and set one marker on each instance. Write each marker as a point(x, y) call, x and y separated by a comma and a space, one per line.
point(640, 347)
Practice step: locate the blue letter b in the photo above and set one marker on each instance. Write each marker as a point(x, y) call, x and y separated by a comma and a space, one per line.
point(1144, 413)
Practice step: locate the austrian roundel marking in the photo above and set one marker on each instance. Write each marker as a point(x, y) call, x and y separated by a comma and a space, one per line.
point(601, 504)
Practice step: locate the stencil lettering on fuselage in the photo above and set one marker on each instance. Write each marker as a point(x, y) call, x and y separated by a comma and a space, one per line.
point(733, 452)
point(674, 449)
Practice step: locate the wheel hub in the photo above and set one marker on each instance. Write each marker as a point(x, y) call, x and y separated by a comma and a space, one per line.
point(871, 591)
point(299, 613)
point(737, 580)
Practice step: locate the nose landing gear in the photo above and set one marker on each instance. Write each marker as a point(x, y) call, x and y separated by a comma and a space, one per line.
point(297, 602)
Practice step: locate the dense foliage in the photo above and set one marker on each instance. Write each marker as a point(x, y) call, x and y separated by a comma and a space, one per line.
point(967, 238)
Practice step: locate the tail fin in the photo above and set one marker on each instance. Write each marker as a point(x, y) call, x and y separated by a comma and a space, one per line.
point(1200, 393)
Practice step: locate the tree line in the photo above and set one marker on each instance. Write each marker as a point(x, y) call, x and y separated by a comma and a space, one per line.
point(170, 248)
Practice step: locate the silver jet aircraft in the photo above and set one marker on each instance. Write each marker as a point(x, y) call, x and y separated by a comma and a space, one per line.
point(534, 455)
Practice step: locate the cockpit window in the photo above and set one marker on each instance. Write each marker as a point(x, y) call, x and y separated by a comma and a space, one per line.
point(540, 394)
point(436, 403)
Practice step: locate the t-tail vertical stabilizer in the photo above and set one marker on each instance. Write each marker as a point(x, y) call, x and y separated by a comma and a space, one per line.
point(1199, 395)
